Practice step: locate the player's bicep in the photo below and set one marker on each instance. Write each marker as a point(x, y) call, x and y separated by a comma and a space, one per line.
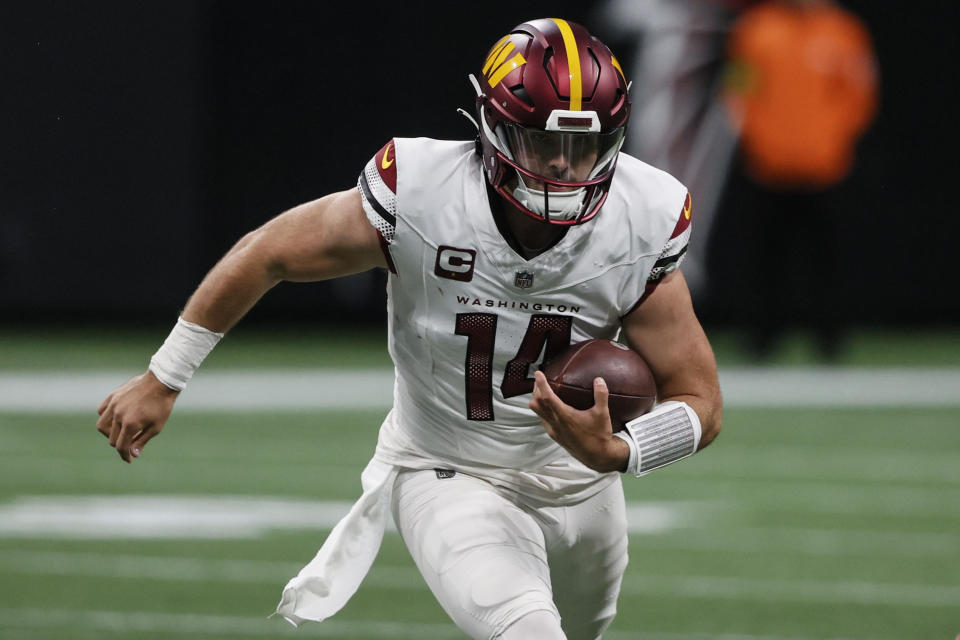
point(322, 239)
point(666, 332)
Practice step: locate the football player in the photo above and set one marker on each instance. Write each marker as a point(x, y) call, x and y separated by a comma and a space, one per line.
point(502, 251)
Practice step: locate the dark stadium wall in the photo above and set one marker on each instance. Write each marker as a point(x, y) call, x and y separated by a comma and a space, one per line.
point(140, 140)
point(100, 154)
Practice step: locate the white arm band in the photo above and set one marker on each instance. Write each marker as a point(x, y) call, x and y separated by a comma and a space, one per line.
point(670, 432)
point(182, 352)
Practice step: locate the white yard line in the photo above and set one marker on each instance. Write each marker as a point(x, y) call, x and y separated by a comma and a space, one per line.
point(147, 567)
point(224, 517)
point(158, 516)
point(290, 389)
point(41, 392)
point(225, 625)
point(840, 387)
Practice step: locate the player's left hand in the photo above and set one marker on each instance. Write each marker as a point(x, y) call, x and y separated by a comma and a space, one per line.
point(587, 435)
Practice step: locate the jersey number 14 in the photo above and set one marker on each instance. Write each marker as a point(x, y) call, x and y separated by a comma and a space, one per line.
point(548, 334)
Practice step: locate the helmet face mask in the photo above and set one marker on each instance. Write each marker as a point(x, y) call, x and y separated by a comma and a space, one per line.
point(550, 147)
point(557, 173)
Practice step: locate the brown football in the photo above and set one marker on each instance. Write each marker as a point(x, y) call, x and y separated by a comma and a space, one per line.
point(629, 379)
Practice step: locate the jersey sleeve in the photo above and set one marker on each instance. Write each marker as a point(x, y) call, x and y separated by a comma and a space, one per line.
point(378, 191)
point(670, 256)
point(378, 195)
point(676, 247)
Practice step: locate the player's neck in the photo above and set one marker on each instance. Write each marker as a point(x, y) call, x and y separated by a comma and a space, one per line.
point(525, 235)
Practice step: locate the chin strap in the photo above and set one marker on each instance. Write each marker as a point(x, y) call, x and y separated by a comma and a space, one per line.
point(476, 138)
point(470, 118)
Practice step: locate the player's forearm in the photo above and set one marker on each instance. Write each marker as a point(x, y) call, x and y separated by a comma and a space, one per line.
point(234, 285)
point(693, 379)
point(708, 407)
point(685, 420)
point(688, 373)
point(225, 295)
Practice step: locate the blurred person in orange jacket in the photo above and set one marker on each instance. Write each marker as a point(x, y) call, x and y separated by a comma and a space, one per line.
point(801, 88)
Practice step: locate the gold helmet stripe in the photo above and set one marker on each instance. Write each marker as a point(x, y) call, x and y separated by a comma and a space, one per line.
point(503, 56)
point(494, 52)
point(508, 66)
point(616, 64)
point(573, 64)
point(497, 66)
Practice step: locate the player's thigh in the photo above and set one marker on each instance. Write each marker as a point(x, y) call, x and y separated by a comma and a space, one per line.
point(588, 557)
point(482, 556)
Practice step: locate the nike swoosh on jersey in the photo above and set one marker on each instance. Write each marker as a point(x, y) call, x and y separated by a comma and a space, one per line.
point(383, 163)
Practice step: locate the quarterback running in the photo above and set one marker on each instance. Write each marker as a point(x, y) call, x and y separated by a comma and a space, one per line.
point(501, 251)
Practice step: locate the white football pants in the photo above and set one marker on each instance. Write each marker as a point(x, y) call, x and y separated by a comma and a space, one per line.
point(491, 557)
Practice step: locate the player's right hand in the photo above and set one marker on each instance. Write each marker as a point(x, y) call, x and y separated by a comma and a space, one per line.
point(587, 434)
point(134, 413)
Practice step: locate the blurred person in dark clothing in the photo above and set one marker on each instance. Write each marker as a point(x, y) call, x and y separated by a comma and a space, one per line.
point(801, 88)
point(678, 119)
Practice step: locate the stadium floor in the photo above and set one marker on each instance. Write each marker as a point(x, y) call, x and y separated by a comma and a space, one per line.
point(801, 522)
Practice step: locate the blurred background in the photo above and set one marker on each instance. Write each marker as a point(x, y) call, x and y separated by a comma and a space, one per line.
point(138, 141)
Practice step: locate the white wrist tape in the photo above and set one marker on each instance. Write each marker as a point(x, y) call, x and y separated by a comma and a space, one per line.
point(182, 352)
point(670, 432)
point(632, 460)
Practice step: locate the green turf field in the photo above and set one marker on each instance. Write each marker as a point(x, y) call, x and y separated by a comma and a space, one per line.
point(797, 523)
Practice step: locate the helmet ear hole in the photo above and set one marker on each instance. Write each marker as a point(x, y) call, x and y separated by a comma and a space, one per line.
point(547, 57)
point(523, 95)
point(548, 66)
point(596, 73)
point(618, 100)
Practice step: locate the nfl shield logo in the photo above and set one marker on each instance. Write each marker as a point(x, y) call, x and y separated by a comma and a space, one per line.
point(523, 280)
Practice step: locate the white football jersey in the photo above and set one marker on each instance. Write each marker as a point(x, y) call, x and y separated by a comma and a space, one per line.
point(470, 319)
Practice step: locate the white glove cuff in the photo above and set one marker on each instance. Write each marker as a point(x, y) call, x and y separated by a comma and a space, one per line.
point(182, 352)
point(670, 432)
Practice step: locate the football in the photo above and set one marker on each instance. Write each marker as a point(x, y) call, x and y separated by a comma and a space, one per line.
point(629, 379)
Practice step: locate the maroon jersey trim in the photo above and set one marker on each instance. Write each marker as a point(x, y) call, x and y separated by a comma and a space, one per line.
point(647, 290)
point(684, 221)
point(386, 161)
point(385, 247)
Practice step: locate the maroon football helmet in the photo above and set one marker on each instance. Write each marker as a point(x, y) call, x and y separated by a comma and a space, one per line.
point(553, 106)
